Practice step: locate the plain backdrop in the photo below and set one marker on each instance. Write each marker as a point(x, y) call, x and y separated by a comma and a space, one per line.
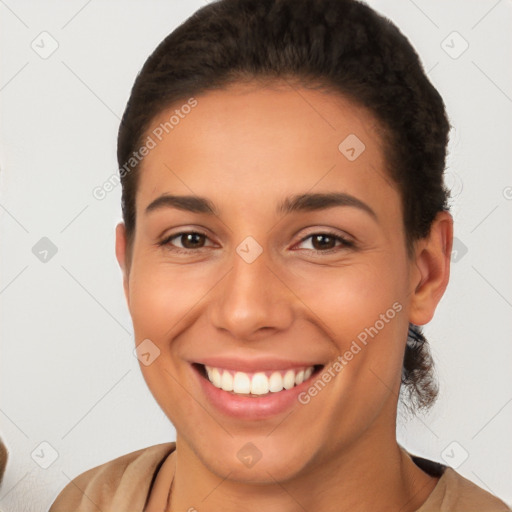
point(72, 395)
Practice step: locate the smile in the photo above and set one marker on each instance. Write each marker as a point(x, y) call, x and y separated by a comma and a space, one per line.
point(257, 383)
point(253, 388)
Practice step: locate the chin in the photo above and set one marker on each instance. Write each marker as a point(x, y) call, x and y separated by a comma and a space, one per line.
point(255, 460)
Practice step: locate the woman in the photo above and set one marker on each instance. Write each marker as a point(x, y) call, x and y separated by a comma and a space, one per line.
point(285, 233)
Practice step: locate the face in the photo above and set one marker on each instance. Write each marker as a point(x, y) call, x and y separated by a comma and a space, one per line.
point(282, 277)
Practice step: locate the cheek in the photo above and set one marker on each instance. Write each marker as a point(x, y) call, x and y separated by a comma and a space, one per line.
point(363, 312)
point(362, 309)
point(163, 302)
point(163, 298)
point(348, 299)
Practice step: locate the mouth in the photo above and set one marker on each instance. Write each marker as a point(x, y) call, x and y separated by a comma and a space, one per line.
point(253, 388)
point(256, 384)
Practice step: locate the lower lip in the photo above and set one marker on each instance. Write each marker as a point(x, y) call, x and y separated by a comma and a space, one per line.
point(252, 408)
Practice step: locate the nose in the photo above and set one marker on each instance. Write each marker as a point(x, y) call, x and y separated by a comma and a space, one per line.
point(252, 300)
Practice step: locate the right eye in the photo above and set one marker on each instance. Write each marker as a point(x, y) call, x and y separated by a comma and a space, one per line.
point(185, 241)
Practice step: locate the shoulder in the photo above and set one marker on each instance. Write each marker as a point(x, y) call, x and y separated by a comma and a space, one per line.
point(455, 493)
point(467, 495)
point(125, 479)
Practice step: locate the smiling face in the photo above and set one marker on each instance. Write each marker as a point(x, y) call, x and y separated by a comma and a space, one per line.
point(286, 260)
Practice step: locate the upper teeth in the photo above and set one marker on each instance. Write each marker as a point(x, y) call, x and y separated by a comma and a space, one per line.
point(259, 383)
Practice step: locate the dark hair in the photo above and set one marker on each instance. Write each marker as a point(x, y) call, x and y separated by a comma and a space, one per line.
point(342, 46)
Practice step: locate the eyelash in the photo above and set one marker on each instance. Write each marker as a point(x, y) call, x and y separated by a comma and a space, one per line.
point(344, 242)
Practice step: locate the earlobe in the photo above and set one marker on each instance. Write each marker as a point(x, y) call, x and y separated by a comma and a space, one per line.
point(432, 260)
point(121, 256)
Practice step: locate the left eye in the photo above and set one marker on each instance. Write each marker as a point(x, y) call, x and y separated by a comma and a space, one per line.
point(325, 241)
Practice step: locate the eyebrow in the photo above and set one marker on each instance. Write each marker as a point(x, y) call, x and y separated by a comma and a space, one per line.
point(296, 203)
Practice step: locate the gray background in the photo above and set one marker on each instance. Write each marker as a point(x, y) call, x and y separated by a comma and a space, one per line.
point(69, 378)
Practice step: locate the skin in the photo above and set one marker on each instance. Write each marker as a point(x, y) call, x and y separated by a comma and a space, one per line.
point(246, 148)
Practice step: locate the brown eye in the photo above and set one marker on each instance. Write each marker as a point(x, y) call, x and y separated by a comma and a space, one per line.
point(323, 241)
point(186, 240)
point(192, 240)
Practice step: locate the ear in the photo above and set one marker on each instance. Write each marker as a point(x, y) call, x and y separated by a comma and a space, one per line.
point(432, 269)
point(123, 257)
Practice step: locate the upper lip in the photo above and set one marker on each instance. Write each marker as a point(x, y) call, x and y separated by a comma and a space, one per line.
point(254, 364)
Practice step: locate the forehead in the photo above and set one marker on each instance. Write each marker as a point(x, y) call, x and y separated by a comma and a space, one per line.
point(275, 139)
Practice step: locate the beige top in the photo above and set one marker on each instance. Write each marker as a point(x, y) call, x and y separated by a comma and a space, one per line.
point(140, 482)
